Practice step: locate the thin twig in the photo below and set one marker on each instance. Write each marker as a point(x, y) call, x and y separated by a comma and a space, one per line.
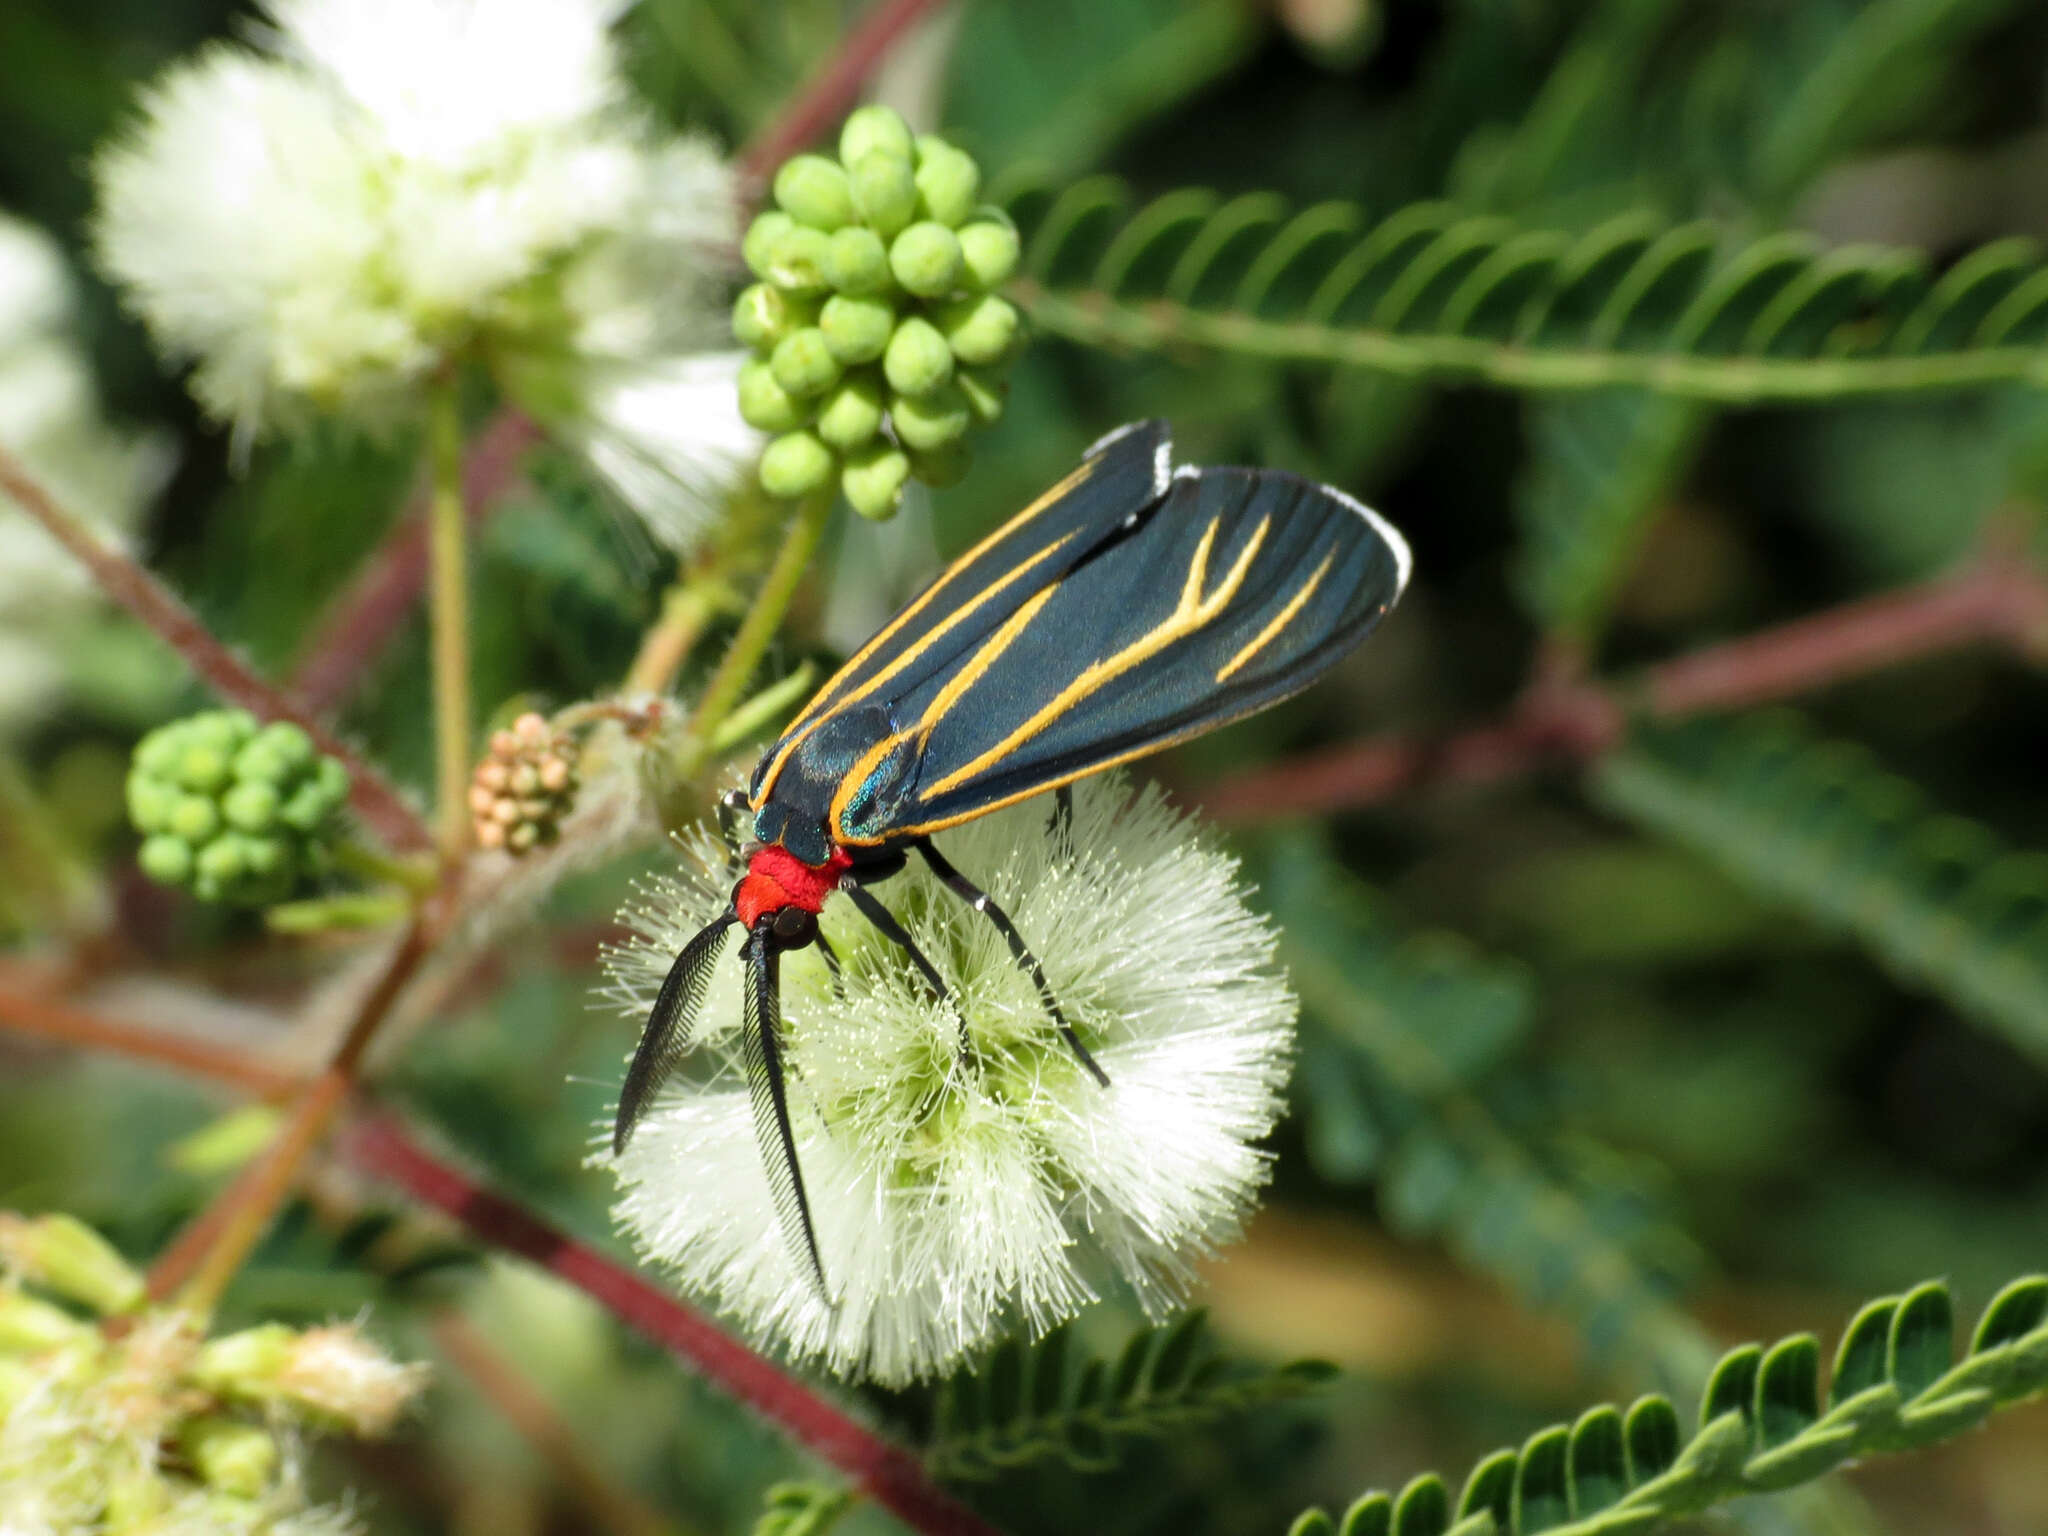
point(828, 94)
point(24, 1013)
point(361, 622)
point(1999, 600)
point(148, 599)
point(885, 1472)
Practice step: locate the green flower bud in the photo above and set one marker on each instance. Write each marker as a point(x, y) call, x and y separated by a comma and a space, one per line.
point(852, 413)
point(229, 1456)
point(763, 315)
point(157, 753)
point(884, 190)
point(332, 780)
point(803, 363)
point(194, 818)
point(222, 729)
point(29, 1326)
point(766, 404)
point(150, 800)
point(944, 466)
point(203, 768)
point(243, 1365)
point(251, 806)
point(221, 862)
point(795, 464)
point(930, 420)
point(873, 128)
point(291, 745)
point(948, 181)
point(873, 478)
point(926, 259)
point(166, 859)
point(309, 807)
point(988, 252)
point(857, 261)
point(758, 248)
point(267, 857)
point(857, 330)
point(61, 1253)
point(812, 190)
point(985, 393)
point(980, 330)
point(260, 763)
point(917, 360)
point(797, 260)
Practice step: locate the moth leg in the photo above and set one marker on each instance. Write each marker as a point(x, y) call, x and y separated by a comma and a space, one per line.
point(831, 964)
point(731, 806)
point(983, 903)
point(1062, 811)
point(885, 922)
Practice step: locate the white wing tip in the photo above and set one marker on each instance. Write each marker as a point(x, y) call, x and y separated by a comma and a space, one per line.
point(1162, 456)
point(1404, 559)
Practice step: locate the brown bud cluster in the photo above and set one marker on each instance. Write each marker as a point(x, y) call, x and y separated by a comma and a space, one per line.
point(524, 786)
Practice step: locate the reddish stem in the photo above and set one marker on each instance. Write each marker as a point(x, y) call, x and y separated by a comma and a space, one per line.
point(361, 622)
point(829, 93)
point(1998, 599)
point(148, 599)
point(23, 1013)
point(884, 1472)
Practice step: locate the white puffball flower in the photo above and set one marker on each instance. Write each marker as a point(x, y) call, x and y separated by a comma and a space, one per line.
point(322, 222)
point(953, 1203)
point(50, 422)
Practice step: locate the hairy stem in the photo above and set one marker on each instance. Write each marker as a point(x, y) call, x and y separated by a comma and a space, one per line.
point(885, 1472)
point(686, 610)
point(2000, 600)
point(150, 601)
point(756, 630)
point(361, 622)
point(449, 603)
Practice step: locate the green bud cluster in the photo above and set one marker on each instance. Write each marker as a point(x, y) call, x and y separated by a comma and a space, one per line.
point(230, 810)
point(877, 334)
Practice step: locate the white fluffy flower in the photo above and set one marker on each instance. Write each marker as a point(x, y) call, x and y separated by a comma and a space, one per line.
point(384, 187)
point(50, 421)
point(955, 1203)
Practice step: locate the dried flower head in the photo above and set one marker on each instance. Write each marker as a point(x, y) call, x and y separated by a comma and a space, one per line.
point(953, 1201)
point(381, 187)
point(523, 787)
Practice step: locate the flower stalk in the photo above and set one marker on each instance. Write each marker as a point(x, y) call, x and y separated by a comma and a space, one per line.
point(449, 603)
point(764, 617)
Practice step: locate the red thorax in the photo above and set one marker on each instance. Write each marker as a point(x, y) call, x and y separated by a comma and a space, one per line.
point(777, 878)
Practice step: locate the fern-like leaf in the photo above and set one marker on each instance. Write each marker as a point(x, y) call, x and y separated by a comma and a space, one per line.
point(1029, 1402)
point(1818, 825)
point(801, 1509)
point(1433, 292)
point(1764, 1426)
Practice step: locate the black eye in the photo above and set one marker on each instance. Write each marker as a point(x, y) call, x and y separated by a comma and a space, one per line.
point(795, 927)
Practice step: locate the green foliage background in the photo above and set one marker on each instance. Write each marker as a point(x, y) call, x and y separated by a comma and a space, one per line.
point(1652, 324)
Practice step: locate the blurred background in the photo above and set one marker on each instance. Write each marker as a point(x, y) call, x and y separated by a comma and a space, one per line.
point(1618, 1046)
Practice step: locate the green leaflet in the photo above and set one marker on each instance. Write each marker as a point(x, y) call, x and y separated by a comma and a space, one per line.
point(1818, 825)
point(1763, 1426)
point(802, 1509)
point(1431, 292)
point(1027, 1402)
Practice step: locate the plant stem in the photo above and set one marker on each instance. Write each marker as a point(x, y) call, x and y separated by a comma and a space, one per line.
point(360, 623)
point(150, 601)
point(360, 859)
point(2000, 599)
point(49, 884)
point(449, 602)
point(888, 1474)
point(24, 1013)
point(736, 669)
point(685, 611)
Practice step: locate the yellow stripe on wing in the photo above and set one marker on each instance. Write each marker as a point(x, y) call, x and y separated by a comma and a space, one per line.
point(1279, 620)
point(1190, 613)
